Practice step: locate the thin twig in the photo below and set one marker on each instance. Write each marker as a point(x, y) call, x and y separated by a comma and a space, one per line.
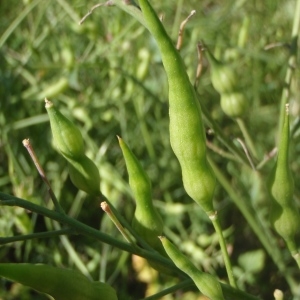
point(107, 3)
point(247, 153)
point(248, 140)
point(106, 208)
point(42, 173)
point(267, 157)
point(181, 30)
point(276, 45)
point(220, 151)
point(199, 65)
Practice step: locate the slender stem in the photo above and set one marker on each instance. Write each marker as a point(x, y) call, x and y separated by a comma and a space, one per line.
point(37, 235)
point(267, 157)
point(20, 17)
point(80, 228)
point(181, 30)
point(105, 206)
point(125, 224)
point(292, 246)
point(247, 136)
point(220, 151)
point(262, 232)
point(199, 65)
point(108, 3)
point(86, 230)
point(291, 64)
point(215, 220)
point(131, 9)
point(229, 292)
point(246, 152)
point(183, 284)
point(42, 173)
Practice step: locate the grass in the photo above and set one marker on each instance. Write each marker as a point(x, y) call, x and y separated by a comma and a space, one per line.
point(116, 85)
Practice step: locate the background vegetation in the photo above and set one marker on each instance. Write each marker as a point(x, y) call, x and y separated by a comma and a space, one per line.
point(106, 75)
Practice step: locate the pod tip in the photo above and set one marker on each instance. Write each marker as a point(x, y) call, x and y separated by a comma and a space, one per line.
point(48, 103)
point(287, 108)
point(26, 142)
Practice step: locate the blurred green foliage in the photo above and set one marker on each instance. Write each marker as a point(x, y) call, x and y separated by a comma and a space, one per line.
point(107, 76)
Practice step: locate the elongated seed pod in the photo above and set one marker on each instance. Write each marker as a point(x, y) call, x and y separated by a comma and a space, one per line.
point(61, 284)
point(281, 182)
point(66, 135)
point(187, 134)
point(146, 221)
point(284, 214)
point(207, 284)
point(85, 175)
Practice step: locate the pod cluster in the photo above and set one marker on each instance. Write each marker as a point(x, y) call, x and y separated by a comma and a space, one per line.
point(69, 142)
point(187, 134)
point(224, 80)
point(284, 214)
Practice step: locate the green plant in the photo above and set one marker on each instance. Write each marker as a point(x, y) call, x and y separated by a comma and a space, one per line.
point(129, 90)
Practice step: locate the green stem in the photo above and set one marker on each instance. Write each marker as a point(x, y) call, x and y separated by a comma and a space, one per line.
point(117, 223)
point(132, 10)
point(126, 225)
point(247, 137)
point(292, 246)
point(291, 64)
point(261, 232)
point(37, 235)
point(184, 284)
point(80, 228)
point(17, 21)
point(215, 220)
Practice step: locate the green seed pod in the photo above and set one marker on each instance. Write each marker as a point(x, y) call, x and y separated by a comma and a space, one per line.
point(234, 105)
point(187, 134)
point(223, 78)
point(66, 135)
point(85, 175)
point(207, 284)
point(61, 284)
point(284, 213)
point(280, 181)
point(146, 221)
point(285, 220)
